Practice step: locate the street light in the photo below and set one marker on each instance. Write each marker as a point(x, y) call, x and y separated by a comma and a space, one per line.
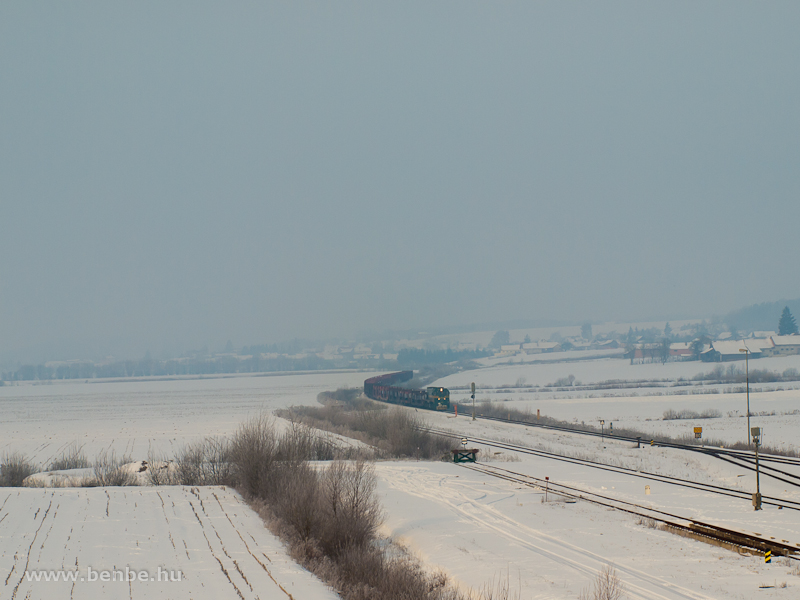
point(746, 351)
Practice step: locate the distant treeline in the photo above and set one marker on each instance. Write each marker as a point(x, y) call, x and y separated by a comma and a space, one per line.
point(763, 317)
point(412, 356)
point(158, 368)
point(294, 346)
point(232, 364)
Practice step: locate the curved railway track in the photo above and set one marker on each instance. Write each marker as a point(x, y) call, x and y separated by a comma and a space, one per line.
point(741, 458)
point(677, 481)
point(739, 539)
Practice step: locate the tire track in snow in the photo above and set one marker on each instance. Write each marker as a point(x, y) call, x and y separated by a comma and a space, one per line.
point(30, 548)
point(166, 518)
point(210, 521)
point(49, 529)
point(489, 517)
point(247, 547)
point(2, 506)
point(195, 492)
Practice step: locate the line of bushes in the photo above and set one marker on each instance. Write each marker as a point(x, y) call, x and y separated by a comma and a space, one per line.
point(735, 374)
point(394, 432)
point(15, 468)
point(327, 515)
point(673, 415)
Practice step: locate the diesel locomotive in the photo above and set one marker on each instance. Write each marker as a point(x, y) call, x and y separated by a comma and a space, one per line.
point(384, 389)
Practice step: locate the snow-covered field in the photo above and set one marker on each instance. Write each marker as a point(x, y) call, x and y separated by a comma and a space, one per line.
point(139, 418)
point(592, 371)
point(206, 541)
point(643, 408)
point(474, 527)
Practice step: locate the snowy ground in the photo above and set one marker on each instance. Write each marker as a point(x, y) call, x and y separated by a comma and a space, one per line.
point(206, 537)
point(591, 371)
point(473, 526)
point(137, 418)
point(476, 527)
point(643, 408)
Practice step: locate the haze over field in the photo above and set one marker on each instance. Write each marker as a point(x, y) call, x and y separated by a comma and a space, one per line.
point(174, 176)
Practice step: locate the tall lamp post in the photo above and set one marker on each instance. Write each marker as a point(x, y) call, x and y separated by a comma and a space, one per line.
point(747, 379)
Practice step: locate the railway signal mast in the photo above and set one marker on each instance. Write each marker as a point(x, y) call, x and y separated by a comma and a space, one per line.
point(473, 400)
point(756, 432)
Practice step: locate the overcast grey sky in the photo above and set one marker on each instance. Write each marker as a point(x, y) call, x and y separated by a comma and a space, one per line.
point(176, 174)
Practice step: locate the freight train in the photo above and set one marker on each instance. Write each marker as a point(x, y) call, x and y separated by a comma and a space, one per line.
point(383, 388)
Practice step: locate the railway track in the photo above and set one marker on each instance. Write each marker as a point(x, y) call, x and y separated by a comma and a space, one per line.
point(741, 458)
point(705, 487)
point(752, 542)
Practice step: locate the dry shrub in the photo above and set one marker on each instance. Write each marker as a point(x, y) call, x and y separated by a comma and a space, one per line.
point(294, 497)
point(205, 463)
point(673, 415)
point(327, 516)
point(301, 442)
point(14, 468)
point(396, 432)
point(161, 471)
point(497, 591)
point(607, 586)
point(351, 513)
point(253, 453)
point(72, 458)
point(648, 522)
point(366, 573)
point(108, 470)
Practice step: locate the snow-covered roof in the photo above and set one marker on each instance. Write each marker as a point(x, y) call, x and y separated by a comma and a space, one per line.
point(680, 346)
point(786, 340)
point(763, 334)
point(728, 347)
point(509, 347)
point(758, 344)
point(542, 345)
